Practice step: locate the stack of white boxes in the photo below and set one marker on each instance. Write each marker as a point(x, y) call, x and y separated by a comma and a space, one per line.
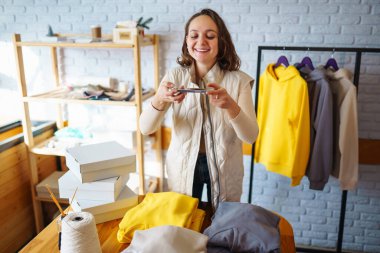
point(99, 172)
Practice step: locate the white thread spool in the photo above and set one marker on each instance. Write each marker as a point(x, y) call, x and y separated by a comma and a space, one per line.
point(79, 234)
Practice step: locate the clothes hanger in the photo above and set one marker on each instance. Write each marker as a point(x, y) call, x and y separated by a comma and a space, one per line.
point(331, 63)
point(282, 60)
point(306, 61)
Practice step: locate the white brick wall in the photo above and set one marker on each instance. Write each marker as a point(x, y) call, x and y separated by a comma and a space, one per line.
point(341, 23)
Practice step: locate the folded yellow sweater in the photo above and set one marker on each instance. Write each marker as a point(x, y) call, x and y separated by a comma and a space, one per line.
point(157, 209)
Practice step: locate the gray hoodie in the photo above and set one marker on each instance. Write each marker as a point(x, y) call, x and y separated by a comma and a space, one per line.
point(240, 227)
point(321, 127)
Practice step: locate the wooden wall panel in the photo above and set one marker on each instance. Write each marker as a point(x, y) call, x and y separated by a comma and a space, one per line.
point(21, 234)
point(10, 133)
point(369, 151)
point(166, 133)
point(16, 210)
point(20, 197)
point(16, 200)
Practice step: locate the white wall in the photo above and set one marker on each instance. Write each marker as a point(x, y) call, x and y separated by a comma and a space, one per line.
point(345, 23)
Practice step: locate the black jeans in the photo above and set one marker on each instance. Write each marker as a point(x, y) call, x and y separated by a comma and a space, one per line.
point(201, 177)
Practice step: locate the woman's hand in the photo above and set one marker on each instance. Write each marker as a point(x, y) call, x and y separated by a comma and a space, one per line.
point(219, 97)
point(167, 93)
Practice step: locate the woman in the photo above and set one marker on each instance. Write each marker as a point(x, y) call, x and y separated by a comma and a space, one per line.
point(208, 129)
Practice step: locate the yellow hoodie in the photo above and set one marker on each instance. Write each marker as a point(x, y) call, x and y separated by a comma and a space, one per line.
point(283, 143)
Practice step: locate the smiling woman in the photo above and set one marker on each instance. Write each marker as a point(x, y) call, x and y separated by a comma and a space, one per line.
point(212, 113)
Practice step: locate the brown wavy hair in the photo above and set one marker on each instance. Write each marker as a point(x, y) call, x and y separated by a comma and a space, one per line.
point(227, 57)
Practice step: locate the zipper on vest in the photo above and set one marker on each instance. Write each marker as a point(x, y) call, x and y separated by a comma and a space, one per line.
point(215, 205)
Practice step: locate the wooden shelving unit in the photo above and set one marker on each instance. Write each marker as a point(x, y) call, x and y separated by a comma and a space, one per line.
point(60, 96)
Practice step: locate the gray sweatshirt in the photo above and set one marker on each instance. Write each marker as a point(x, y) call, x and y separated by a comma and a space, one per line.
point(321, 127)
point(240, 227)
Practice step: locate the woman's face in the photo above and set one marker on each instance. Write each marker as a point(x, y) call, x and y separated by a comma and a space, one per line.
point(202, 40)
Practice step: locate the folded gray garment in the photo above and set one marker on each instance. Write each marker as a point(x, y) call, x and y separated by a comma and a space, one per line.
point(241, 227)
point(168, 239)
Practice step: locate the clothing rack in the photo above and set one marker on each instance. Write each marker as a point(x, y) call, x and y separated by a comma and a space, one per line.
point(358, 58)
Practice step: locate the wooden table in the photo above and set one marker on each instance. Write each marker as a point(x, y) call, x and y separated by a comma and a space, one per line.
point(46, 241)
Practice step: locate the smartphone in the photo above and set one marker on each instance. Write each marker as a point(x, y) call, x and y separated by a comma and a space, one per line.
point(192, 90)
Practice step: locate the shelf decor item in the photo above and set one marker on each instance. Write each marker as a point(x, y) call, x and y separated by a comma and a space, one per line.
point(52, 37)
point(125, 30)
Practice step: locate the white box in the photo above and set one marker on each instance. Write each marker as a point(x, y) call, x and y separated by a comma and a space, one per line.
point(127, 198)
point(106, 189)
point(99, 156)
point(97, 175)
point(105, 211)
point(52, 181)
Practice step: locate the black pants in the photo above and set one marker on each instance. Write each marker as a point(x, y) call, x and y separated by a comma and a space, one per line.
point(201, 177)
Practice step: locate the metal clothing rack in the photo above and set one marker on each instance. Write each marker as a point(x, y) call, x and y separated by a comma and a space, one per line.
point(358, 58)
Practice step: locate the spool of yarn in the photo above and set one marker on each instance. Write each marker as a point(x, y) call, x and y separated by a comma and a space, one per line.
point(79, 233)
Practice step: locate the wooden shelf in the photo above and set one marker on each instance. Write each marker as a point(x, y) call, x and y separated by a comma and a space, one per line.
point(62, 96)
point(42, 149)
point(147, 41)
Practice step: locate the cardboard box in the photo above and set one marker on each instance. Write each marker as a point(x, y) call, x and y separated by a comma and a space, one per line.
point(52, 181)
point(110, 156)
point(125, 35)
point(106, 189)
